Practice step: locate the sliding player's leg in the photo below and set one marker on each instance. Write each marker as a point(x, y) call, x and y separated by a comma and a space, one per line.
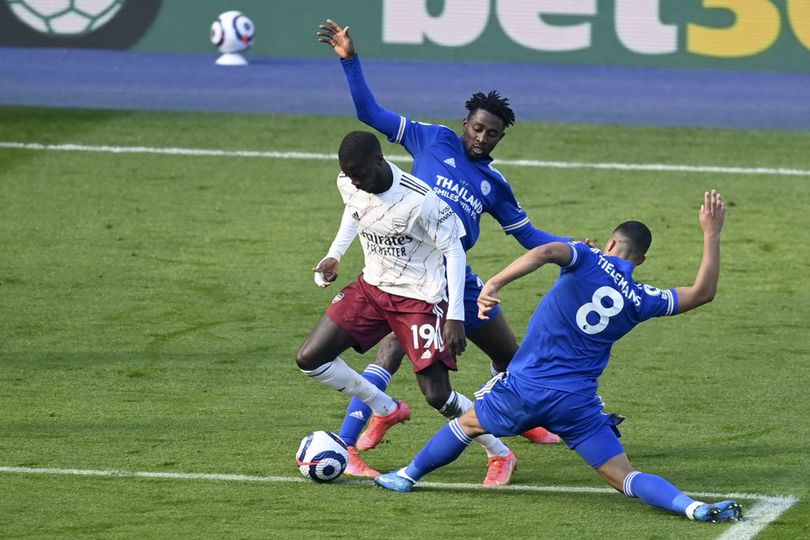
point(450, 441)
point(434, 382)
point(443, 448)
point(604, 452)
point(497, 340)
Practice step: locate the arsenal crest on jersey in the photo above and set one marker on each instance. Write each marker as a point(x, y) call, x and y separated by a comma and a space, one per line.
point(399, 225)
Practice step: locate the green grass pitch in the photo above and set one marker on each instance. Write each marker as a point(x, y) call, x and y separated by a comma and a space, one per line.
point(151, 306)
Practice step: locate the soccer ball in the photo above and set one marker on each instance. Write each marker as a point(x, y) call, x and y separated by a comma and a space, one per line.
point(232, 32)
point(322, 456)
point(65, 17)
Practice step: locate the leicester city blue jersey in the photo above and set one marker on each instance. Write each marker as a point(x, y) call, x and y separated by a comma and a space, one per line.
point(594, 302)
point(470, 188)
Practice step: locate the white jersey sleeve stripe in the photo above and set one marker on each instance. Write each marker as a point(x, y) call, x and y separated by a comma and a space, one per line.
point(411, 184)
point(574, 256)
point(517, 225)
point(493, 169)
point(401, 130)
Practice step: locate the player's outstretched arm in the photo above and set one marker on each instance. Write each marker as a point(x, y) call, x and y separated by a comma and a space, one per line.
point(337, 37)
point(530, 237)
point(368, 110)
point(556, 252)
point(712, 215)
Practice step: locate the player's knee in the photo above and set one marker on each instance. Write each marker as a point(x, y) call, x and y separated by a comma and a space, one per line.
point(434, 402)
point(500, 364)
point(615, 472)
point(305, 359)
point(501, 360)
point(437, 398)
point(388, 362)
point(470, 425)
point(615, 482)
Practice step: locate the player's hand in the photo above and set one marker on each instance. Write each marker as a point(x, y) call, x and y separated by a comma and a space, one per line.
point(487, 300)
point(589, 242)
point(454, 338)
point(337, 37)
point(712, 213)
point(326, 270)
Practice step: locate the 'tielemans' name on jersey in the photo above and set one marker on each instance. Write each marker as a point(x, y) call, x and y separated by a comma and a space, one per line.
point(621, 282)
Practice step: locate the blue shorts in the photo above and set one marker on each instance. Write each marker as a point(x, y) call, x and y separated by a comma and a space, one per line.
point(506, 407)
point(472, 288)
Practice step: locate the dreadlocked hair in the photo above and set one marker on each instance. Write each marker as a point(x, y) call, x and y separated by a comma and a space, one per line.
point(493, 103)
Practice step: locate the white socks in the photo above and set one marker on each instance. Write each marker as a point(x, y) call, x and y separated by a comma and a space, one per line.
point(690, 510)
point(457, 404)
point(338, 375)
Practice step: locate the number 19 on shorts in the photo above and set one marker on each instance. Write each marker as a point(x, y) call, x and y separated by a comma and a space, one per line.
point(428, 334)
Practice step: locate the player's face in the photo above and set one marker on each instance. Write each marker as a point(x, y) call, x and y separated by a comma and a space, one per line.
point(372, 177)
point(482, 133)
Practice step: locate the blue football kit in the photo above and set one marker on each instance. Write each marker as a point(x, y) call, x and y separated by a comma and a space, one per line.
point(552, 380)
point(470, 188)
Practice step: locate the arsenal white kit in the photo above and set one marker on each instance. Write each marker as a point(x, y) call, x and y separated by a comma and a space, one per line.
point(405, 233)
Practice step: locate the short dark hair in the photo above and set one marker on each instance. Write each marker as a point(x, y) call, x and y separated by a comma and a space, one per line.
point(494, 104)
point(359, 147)
point(637, 235)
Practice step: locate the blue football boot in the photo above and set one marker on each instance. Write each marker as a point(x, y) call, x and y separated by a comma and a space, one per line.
point(394, 482)
point(721, 511)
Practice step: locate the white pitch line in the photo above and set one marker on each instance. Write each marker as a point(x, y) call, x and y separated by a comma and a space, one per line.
point(766, 510)
point(759, 516)
point(147, 474)
point(666, 167)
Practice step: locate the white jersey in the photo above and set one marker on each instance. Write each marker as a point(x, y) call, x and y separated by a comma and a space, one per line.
point(405, 233)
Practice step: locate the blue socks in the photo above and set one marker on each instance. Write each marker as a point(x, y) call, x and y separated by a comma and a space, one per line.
point(358, 413)
point(656, 491)
point(444, 447)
